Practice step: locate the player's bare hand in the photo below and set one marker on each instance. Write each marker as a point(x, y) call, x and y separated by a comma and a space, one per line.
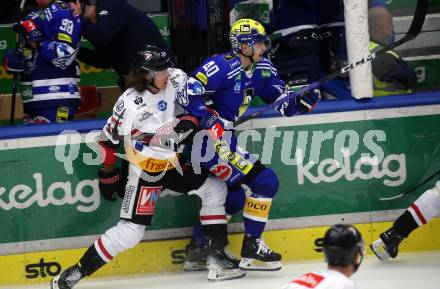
point(76, 7)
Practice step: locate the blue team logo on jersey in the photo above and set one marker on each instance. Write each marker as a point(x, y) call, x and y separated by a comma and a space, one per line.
point(139, 146)
point(237, 87)
point(162, 105)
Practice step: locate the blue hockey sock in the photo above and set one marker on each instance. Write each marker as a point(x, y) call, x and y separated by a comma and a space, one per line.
point(198, 234)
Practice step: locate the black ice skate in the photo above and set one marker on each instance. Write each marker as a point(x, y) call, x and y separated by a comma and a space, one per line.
point(67, 279)
point(222, 265)
point(255, 249)
point(196, 255)
point(388, 245)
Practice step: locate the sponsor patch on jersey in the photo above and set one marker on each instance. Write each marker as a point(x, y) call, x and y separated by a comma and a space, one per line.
point(147, 201)
point(242, 164)
point(138, 100)
point(222, 171)
point(54, 88)
point(129, 190)
point(168, 127)
point(162, 105)
point(237, 87)
point(222, 149)
point(120, 105)
point(216, 131)
point(62, 114)
point(229, 56)
point(103, 13)
point(265, 73)
point(202, 77)
point(309, 280)
point(64, 37)
point(139, 146)
point(145, 115)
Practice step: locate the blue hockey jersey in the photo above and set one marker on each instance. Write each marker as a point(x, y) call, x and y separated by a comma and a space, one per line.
point(230, 88)
point(53, 72)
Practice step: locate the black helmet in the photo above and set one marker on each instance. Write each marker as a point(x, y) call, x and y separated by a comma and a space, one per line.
point(341, 244)
point(152, 58)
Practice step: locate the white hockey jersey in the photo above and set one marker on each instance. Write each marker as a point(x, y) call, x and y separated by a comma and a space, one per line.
point(143, 112)
point(326, 279)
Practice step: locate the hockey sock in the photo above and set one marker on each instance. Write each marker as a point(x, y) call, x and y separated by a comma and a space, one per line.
point(426, 207)
point(198, 234)
point(255, 215)
point(90, 262)
point(405, 224)
point(217, 234)
point(264, 187)
point(235, 200)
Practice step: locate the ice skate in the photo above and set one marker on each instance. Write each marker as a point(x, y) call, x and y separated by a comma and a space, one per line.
point(222, 265)
point(66, 279)
point(257, 256)
point(196, 255)
point(387, 246)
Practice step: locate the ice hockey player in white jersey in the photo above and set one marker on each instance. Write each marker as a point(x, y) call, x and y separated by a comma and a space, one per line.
point(343, 248)
point(150, 123)
point(419, 213)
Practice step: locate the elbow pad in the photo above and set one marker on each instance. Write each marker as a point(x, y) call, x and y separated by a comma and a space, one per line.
point(192, 87)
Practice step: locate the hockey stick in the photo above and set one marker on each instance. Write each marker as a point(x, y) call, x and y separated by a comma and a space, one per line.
point(414, 30)
point(15, 78)
point(400, 196)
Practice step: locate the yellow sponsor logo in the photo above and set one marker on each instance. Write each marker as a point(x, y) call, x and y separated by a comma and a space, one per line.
point(240, 163)
point(257, 208)
point(222, 149)
point(64, 37)
point(149, 164)
point(200, 76)
point(62, 114)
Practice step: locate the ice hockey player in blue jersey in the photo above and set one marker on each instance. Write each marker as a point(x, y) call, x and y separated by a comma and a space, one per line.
point(47, 64)
point(230, 81)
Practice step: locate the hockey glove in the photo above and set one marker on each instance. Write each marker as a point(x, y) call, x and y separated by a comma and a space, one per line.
point(14, 61)
point(298, 104)
point(30, 30)
point(213, 124)
point(110, 184)
point(188, 125)
point(307, 102)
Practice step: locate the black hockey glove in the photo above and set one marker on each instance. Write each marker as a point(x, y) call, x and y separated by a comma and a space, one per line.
point(307, 102)
point(187, 124)
point(110, 183)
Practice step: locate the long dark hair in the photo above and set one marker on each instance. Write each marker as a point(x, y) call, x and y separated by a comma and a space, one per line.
point(136, 79)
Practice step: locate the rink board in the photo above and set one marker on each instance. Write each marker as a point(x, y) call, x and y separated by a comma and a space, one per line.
point(168, 256)
point(51, 210)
